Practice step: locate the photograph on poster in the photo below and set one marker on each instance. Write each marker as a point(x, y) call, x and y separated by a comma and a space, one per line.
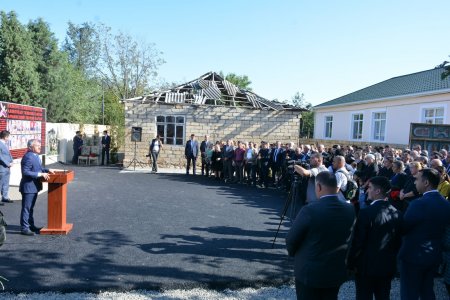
point(21, 132)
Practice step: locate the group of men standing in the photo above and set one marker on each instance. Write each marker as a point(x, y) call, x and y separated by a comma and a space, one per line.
point(327, 242)
point(78, 145)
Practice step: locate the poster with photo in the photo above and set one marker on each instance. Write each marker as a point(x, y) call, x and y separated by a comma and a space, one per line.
point(24, 123)
point(21, 131)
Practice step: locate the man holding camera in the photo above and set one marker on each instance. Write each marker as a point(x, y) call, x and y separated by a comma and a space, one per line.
point(316, 163)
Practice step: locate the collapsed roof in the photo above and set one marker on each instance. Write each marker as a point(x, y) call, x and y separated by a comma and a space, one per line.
point(212, 89)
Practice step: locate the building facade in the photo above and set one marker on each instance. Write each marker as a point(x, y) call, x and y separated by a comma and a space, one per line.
point(175, 115)
point(383, 113)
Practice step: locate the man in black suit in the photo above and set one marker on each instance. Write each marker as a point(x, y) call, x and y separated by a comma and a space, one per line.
point(424, 226)
point(106, 143)
point(375, 242)
point(191, 153)
point(318, 242)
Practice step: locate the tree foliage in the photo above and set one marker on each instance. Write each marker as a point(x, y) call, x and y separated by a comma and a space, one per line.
point(307, 120)
point(82, 44)
point(126, 65)
point(19, 79)
point(241, 81)
point(446, 67)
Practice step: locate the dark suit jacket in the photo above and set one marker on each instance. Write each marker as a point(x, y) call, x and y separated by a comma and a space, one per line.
point(106, 140)
point(188, 149)
point(77, 143)
point(423, 227)
point(376, 239)
point(281, 154)
point(318, 242)
point(31, 166)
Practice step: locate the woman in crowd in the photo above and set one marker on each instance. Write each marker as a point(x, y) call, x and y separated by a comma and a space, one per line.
point(154, 149)
point(398, 183)
point(409, 191)
point(444, 184)
point(208, 158)
point(216, 161)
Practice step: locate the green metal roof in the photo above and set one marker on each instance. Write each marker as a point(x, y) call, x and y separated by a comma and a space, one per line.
point(421, 82)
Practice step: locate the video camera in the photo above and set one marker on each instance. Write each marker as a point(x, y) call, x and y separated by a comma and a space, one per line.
point(292, 163)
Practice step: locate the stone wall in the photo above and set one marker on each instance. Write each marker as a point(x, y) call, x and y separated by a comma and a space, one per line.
point(219, 122)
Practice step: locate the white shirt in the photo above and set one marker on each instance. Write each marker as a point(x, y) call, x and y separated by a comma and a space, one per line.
point(156, 146)
point(340, 177)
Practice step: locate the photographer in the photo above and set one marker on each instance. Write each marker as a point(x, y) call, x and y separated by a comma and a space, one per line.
point(316, 163)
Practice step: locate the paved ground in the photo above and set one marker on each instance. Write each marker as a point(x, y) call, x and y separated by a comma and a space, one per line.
point(168, 232)
point(135, 230)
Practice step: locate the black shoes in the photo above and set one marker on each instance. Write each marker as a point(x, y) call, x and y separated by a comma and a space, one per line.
point(7, 201)
point(27, 232)
point(36, 229)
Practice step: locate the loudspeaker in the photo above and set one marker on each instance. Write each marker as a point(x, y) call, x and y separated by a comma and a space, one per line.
point(136, 134)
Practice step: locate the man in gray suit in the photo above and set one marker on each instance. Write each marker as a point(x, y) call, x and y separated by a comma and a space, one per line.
point(6, 161)
point(191, 153)
point(318, 241)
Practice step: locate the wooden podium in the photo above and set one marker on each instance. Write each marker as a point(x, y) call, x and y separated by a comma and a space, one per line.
point(57, 203)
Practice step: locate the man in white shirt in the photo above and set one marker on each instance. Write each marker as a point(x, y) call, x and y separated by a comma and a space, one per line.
point(316, 163)
point(341, 173)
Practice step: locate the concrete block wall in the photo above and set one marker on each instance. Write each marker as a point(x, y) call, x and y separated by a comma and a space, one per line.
point(219, 122)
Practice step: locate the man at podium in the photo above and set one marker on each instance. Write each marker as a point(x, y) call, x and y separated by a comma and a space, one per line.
point(30, 185)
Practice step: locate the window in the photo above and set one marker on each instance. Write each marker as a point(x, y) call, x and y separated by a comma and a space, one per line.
point(433, 115)
point(171, 129)
point(328, 126)
point(379, 126)
point(357, 125)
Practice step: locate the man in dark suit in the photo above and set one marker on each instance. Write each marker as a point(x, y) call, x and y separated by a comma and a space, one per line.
point(277, 156)
point(6, 162)
point(375, 242)
point(30, 185)
point(191, 153)
point(77, 144)
point(424, 226)
point(318, 242)
point(203, 147)
point(106, 143)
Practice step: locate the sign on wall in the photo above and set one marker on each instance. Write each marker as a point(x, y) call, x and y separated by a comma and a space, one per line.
point(24, 123)
point(432, 137)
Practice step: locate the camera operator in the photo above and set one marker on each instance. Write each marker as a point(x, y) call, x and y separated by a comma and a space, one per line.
point(316, 163)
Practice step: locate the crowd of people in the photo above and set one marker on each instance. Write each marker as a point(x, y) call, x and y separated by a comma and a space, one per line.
point(381, 211)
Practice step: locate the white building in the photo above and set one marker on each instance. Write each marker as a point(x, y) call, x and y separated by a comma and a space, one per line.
point(383, 112)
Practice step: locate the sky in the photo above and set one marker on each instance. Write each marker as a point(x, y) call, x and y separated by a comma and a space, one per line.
point(323, 49)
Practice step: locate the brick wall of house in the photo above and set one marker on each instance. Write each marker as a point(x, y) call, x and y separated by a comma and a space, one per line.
point(219, 122)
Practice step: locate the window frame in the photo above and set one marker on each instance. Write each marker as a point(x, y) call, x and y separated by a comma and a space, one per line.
point(373, 125)
point(352, 127)
point(326, 122)
point(175, 124)
point(434, 117)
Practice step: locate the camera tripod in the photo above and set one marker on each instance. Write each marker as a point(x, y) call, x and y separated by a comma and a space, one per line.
point(290, 203)
point(135, 161)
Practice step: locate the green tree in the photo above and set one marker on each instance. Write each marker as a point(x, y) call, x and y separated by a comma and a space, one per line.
point(66, 92)
point(127, 66)
point(19, 79)
point(307, 120)
point(82, 44)
point(446, 67)
point(241, 81)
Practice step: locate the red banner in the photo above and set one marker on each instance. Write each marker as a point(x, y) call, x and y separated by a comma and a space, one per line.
point(24, 123)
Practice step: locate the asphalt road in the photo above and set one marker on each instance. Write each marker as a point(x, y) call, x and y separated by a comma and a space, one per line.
point(149, 231)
